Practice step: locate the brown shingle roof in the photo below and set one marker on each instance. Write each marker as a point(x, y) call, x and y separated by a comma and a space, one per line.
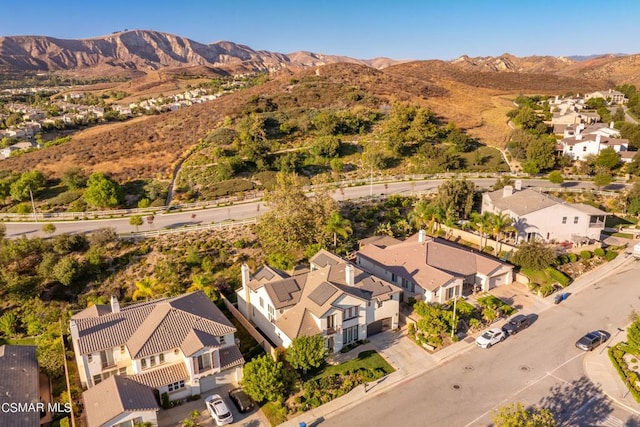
point(115, 395)
point(162, 376)
point(152, 327)
point(196, 340)
point(230, 357)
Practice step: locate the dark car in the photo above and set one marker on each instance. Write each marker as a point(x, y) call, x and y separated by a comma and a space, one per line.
point(243, 402)
point(517, 323)
point(592, 340)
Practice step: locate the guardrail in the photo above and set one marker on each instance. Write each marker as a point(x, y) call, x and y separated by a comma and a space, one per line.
point(186, 228)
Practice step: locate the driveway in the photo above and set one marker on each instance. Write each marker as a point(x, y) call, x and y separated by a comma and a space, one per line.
point(173, 417)
point(402, 353)
point(518, 295)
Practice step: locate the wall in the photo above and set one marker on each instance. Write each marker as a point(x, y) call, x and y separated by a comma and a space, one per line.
point(249, 327)
point(549, 221)
point(454, 233)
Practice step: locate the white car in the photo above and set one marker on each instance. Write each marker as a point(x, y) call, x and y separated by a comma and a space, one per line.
point(490, 337)
point(219, 410)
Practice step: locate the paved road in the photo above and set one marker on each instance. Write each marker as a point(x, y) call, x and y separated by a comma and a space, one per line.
point(246, 210)
point(539, 366)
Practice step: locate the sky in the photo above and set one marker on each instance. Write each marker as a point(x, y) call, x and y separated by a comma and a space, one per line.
point(411, 29)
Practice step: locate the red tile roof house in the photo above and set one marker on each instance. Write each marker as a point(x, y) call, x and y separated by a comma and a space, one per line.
point(181, 345)
point(431, 269)
point(335, 299)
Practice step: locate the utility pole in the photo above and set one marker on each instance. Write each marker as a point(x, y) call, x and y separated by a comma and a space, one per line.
point(453, 324)
point(33, 207)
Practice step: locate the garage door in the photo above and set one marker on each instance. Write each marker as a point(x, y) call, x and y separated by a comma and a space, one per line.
point(213, 381)
point(379, 326)
point(498, 280)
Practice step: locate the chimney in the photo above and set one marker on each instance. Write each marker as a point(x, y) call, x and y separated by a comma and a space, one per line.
point(115, 305)
point(349, 275)
point(578, 136)
point(598, 138)
point(421, 236)
point(244, 272)
point(507, 191)
point(611, 125)
point(518, 185)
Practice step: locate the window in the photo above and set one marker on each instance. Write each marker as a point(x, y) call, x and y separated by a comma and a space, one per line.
point(575, 219)
point(222, 340)
point(272, 313)
point(350, 313)
point(451, 292)
point(106, 356)
point(394, 277)
point(176, 386)
point(90, 358)
point(564, 219)
point(331, 322)
point(584, 148)
point(143, 363)
point(161, 358)
point(261, 302)
point(97, 379)
point(122, 371)
point(204, 362)
point(152, 361)
point(350, 335)
point(121, 349)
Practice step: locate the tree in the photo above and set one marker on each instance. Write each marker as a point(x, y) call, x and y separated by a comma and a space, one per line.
point(460, 140)
point(263, 379)
point(633, 334)
point(49, 228)
point(527, 117)
point(66, 270)
point(556, 177)
point(541, 152)
point(8, 324)
point(306, 352)
point(103, 192)
point(326, 146)
point(535, 255)
point(146, 288)
point(608, 159)
point(501, 223)
point(482, 223)
point(426, 215)
point(33, 181)
point(602, 179)
point(455, 197)
point(3, 231)
point(337, 225)
point(516, 415)
point(74, 178)
point(136, 221)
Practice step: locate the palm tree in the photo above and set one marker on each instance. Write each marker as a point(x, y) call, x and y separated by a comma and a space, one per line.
point(337, 225)
point(482, 223)
point(145, 288)
point(501, 223)
point(426, 215)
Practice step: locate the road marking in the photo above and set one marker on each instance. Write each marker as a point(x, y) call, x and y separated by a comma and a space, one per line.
point(611, 421)
point(530, 384)
point(558, 378)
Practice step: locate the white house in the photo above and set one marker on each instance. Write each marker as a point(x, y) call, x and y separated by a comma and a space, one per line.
point(580, 142)
point(181, 346)
point(335, 299)
point(430, 269)
point(539, 216)
point(611, 96)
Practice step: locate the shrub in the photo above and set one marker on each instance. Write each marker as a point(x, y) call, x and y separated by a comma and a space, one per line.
point(546, 289)
point(599, 252)
point(411, 301)
point(557, 276)
point(411, 330)
point(573, 257)
point(610, 255)
point(166, 403)
point(585, 255)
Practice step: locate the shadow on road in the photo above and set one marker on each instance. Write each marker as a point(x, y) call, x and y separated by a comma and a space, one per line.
point(579, 403)
point(182, 224)
point(634, 421)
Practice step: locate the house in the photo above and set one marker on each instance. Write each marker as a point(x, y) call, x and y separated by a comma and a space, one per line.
point(19, 384)
point(18, 146)
point(431, 269)
point(539, 216)
point(182, 345)
point(118, 402)
point(580, 142)
point(611, 96)
point(335, 299)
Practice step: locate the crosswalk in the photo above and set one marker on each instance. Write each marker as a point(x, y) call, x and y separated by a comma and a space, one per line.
point(611, 421)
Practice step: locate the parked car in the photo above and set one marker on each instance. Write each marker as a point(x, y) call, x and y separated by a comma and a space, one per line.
point(517, 324)
point(243, 402)
point(592, 339)
point(218, 410)
point(490, 337)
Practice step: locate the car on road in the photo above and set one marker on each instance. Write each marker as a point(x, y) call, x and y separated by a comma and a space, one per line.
point(218, 410)
point(517, 324)
point(592, 339)
point(243, 402)
point(490, 337)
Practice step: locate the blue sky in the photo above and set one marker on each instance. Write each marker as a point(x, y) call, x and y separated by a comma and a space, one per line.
point(427, 29)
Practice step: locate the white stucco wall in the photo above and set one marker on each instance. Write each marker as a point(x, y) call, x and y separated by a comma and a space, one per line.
point(147, 416)
point(548, 223)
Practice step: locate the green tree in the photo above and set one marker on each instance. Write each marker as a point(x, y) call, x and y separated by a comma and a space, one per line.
point(103, 192)
point(633, 334)
point(66, 270)
point(33, 181)
point(455, 197)
point(460, 140)
point(527, 118)
point(146, 288)
point(325, 146)
point(516, 415)
point(426, 215)
point(74, 178)
point(306, 352)
point(338, 226)
point(8, 324)
point(607, 158)
point(535, 255)
point(483, 223)
point(541, 152)
point(3, 231)
point(602, 179)
point(263, 379)
point(49, 228)
point(500, 224)
point(136, 221)
point(556, 177)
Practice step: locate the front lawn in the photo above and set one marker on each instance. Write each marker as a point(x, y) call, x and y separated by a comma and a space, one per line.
point(367, 360)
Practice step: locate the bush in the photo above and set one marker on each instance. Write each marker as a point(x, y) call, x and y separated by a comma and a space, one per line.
point(599, 252)
point(546, 290)
point(411, 301)
point(585, 255)
point(573, 257)
point(557, 276)
point(610, 255)
point(166, 403)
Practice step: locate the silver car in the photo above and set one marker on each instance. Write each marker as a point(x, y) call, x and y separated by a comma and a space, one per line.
point(490, 337)
point(219, 410)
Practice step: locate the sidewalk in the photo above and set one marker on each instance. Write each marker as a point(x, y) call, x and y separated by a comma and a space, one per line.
point(601, 372)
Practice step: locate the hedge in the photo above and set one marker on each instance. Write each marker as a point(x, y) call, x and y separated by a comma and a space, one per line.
point(610, 255)
point(585, 255)
point(557, 276)
point(624, 374)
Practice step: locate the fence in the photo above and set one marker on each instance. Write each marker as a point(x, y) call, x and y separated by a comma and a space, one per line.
point(249, 327)
point(475, 239)
point(186, 228)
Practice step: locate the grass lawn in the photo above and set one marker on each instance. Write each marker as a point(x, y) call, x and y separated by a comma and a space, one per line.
point(490, 159)
point(19, 341)
point(369, 359)
point(275, 413)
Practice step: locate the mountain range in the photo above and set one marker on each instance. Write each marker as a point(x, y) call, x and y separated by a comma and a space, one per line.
point(137, 52)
